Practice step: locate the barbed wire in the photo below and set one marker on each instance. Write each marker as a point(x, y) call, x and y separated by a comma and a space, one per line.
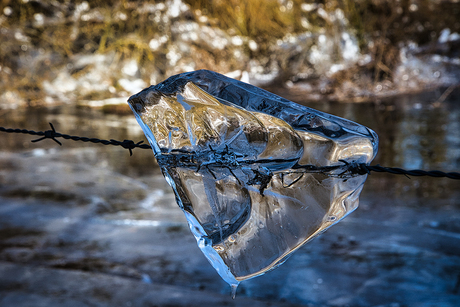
point(353, 168)
point(52, 134)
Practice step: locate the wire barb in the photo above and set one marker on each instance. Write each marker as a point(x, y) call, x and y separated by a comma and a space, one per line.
point(49, 134)
point(353, 168)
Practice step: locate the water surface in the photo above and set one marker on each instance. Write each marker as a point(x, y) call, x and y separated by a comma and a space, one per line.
point(95, 209)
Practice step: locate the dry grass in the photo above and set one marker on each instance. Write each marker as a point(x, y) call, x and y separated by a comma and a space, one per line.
point(257, 18)
point(261, 20)
point(385, 23)
point(388, 23)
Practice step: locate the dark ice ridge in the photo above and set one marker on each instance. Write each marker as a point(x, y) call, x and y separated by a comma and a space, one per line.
point(256, 175)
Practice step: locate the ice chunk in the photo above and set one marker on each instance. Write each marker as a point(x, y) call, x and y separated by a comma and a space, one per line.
point(242, 162)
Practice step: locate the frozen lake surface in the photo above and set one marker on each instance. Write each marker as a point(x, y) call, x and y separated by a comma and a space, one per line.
point(87, 225)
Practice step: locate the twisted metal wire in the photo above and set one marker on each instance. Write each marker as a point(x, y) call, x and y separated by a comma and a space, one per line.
point(52, 134)
point(354, 168)
point(417, 172)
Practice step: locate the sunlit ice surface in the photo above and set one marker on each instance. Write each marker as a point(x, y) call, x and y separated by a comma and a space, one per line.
point(242, 162)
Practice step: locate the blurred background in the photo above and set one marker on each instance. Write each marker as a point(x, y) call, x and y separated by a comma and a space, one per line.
point(88, 225)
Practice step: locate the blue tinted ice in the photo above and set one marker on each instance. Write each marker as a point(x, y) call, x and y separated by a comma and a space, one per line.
point(238, 159)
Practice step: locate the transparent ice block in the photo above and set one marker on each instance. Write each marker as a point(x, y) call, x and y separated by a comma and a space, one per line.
point(242, 162)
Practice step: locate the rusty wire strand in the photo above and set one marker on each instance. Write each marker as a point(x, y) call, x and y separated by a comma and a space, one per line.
point(353, 168)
